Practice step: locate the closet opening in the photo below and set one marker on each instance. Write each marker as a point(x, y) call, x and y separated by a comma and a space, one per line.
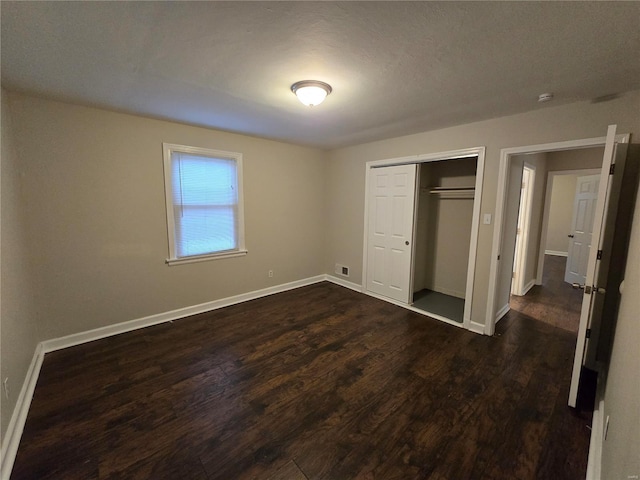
point(444, 219)
point(422, 216)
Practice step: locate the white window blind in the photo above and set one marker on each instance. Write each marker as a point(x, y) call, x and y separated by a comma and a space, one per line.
point(203, 202)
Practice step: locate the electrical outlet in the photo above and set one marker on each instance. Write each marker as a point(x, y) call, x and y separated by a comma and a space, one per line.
point(5, 385)
point(270, 273)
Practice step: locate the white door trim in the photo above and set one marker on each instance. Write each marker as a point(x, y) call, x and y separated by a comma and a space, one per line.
point(478, 152)
point(522, 242)
point(498, 229)
point(547, 211)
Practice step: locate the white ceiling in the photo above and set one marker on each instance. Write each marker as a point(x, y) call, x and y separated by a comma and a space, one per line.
point(395, 67)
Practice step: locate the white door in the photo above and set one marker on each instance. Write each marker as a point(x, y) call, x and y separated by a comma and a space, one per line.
point(584, 205)
point(597, 268)
point(522, 231)
point(391, 200)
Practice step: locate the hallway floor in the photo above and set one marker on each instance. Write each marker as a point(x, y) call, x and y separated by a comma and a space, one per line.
point(554, 302)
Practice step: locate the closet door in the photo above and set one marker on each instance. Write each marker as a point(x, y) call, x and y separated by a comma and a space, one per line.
point(391, 199)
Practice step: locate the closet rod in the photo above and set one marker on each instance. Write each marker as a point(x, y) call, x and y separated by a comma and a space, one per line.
point(451, 192)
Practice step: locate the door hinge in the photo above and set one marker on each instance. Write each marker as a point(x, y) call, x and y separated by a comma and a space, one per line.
point(588, 333)
point(599, 256)
point(587, 290)
point(513, 274)
point(612, 168)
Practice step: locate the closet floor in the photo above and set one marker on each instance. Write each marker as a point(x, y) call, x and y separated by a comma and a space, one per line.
point(439, 304)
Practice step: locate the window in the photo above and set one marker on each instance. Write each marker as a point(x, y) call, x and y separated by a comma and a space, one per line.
point(204, 203)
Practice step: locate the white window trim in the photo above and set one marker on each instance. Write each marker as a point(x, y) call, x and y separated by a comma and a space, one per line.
point(168, 149)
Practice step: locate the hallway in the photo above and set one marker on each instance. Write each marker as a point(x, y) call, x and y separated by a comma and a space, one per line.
point(554, 302)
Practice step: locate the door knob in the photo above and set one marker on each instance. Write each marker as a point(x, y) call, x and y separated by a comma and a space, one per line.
point(589, 289)
point(570, 236)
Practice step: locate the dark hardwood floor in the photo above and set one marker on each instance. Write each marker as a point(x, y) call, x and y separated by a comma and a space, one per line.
point(316, 383)
point(554, 302)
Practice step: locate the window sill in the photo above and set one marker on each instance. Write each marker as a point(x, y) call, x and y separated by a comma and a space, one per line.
point(205, 258)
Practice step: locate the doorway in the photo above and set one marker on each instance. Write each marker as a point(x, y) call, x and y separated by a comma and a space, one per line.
point(505, 220)
point(397, 264)
point(548, 296)
point(444, 220)
point(542, 222)
point(601, 252)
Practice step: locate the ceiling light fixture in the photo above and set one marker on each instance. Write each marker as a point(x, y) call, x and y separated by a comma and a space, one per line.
point(545, 97)
point(311, 92)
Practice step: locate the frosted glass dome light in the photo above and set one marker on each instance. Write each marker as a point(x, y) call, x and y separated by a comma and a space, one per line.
point(311, 92)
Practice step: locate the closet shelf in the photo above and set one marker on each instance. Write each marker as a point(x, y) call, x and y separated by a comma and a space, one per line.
point(451, 192)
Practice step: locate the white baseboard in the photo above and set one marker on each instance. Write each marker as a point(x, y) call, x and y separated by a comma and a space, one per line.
point(13, 434)
point(344, 283)
point(476, 327)
point(123, 327)
point(529, 286)
point(556, 253)
point(502, 312)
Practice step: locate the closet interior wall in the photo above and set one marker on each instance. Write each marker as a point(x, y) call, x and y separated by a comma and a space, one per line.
point(443, 229)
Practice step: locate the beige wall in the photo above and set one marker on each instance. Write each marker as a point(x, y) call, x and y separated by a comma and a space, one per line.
point(560, 212)
point(577, 159)
point(96, 221)
point(620, 457)
point(346, 170)
point(422, 232)
point(17, 316)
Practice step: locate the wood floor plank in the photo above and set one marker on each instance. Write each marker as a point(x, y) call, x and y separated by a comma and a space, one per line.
point(316, 383)
point(289, 471)
point(554, 302)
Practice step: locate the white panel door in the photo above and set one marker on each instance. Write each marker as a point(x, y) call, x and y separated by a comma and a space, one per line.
point(597, 269)
point(391, 199)
point(584, 205)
